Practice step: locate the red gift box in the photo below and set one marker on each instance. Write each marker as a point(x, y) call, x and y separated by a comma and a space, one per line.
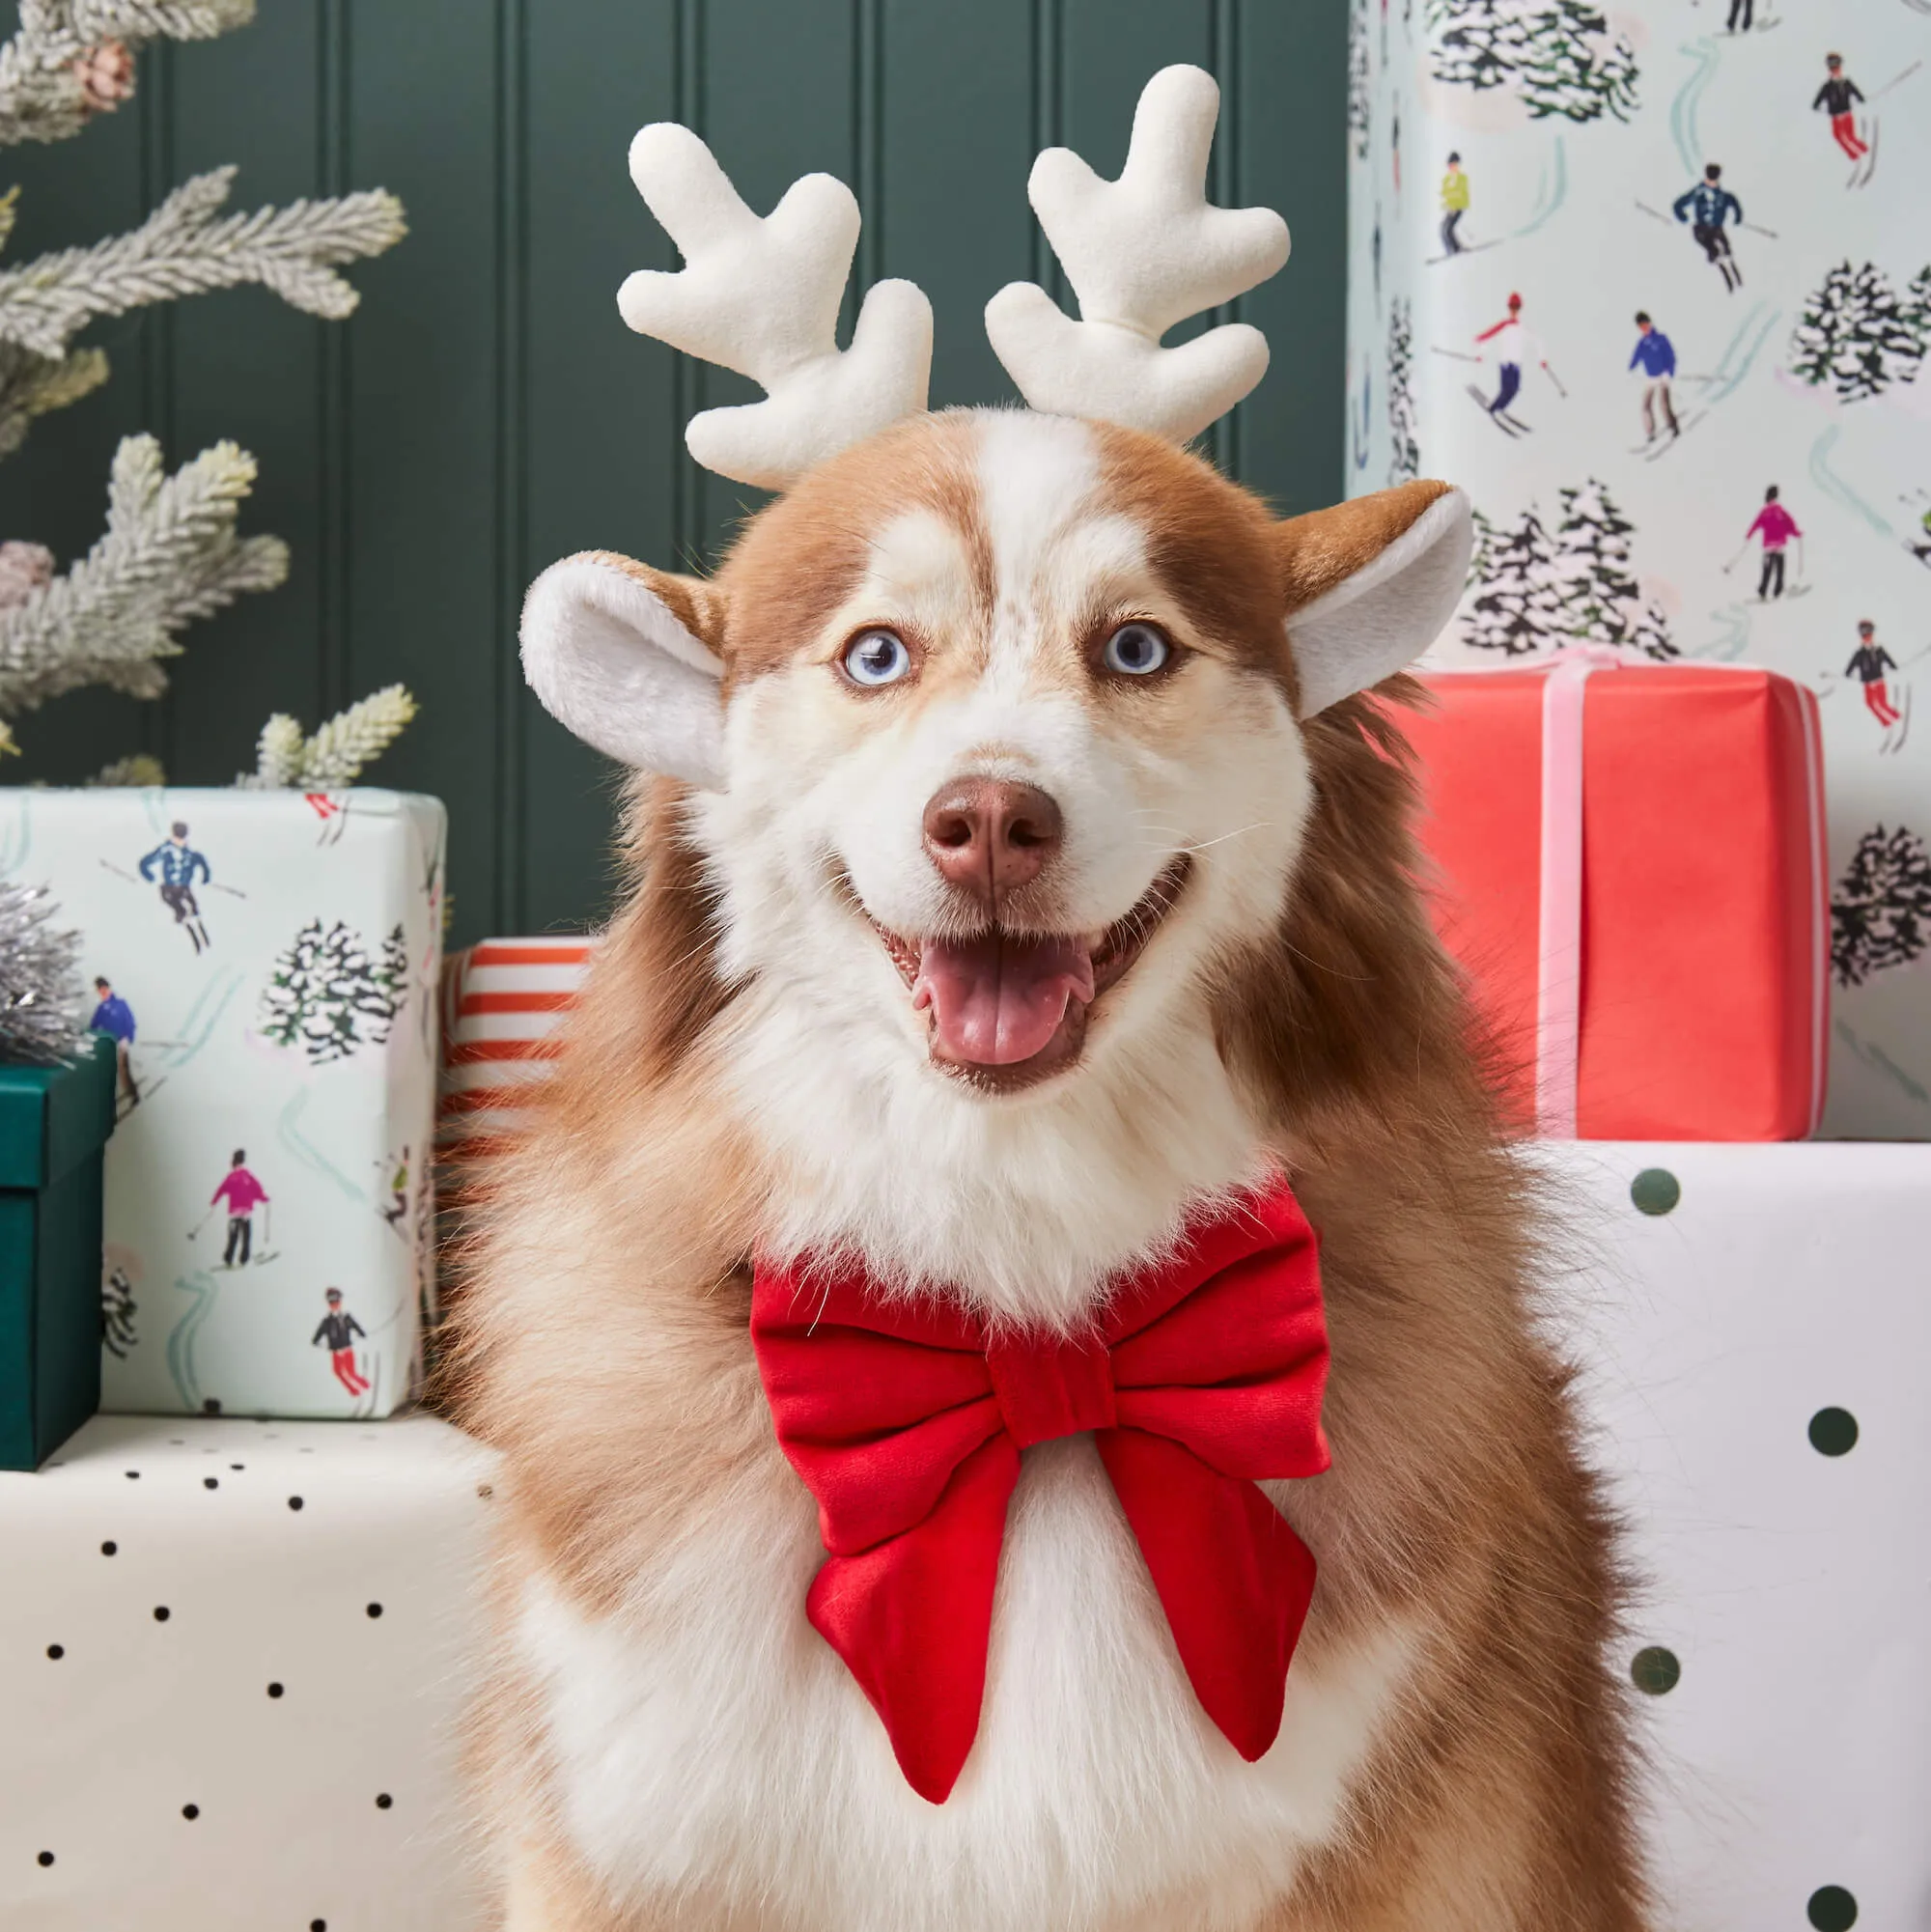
point(1629, 862)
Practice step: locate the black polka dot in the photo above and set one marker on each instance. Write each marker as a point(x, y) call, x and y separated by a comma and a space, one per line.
point(238, 1465)
point(210, 1482)
point(160, 1613)
point(190, 1811)
point(317, 1925)
point(133, 1476)
point(1656, 1190)
point(1833, 1432)
point(46, 1858)
point(57, 1651)
point(211, 1407)
point(274, 1690)
point(108, 1549)
point(1831, 1909)
point(295, 1503)
point(383, 1801)
point(375, 1610)
point(1656, 1670)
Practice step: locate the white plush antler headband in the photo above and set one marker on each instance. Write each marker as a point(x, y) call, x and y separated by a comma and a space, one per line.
point(1142, 253)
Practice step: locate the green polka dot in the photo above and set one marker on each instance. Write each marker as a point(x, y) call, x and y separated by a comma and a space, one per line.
point(1656, 1190)
point(1832, 1909)
point(1656, 1670)
point(1833, 1432)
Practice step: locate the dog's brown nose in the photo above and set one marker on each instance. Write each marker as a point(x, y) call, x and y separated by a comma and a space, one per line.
point(990, 837)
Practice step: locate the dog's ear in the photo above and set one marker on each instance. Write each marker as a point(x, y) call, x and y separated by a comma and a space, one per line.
point(626, 657)
point(1370, 584)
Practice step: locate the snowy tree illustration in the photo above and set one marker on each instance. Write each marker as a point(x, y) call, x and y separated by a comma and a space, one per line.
point(1358, 85)
point(1602, 601)
point(1881, 909)
point(1405, 455)
point(1517, 608)
point(327, 996)
point(393, 974)
point(1560, 57)
point(1533, 591)
point(1858, 336)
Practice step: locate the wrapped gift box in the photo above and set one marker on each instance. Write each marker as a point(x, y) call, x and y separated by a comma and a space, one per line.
point(502, 1003)
point(53, 1124)
point(234, 1659)
point(276, 965)
point(1629, 864)
point(1705, 443)
point(1752, 1328)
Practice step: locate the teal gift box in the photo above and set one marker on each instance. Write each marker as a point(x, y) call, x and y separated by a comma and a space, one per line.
point(54, 1124)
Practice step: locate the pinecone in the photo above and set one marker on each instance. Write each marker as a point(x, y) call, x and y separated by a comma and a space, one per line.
point(106, 76)
point(23, 569)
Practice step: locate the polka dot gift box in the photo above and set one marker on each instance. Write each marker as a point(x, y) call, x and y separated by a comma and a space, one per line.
point(1753, 1328)
point(266, 964)
point(234, 1661)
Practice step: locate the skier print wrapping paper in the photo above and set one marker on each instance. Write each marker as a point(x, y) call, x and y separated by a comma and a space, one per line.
point(268, 962)
point(1693, 407)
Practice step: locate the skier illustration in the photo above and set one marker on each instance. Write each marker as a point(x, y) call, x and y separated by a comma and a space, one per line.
point(1656, 357)
point(1708, 206)
point(1454, 204)
point(1836, 96)
point(242, 1193)
point(114, 1017)
point(398, 1193)
point(180, 866)
point(1869, 662)
point(1775, 526)
point(1511, 344)
point(338, 1328)
point(1921, 548)
point(1743, 16)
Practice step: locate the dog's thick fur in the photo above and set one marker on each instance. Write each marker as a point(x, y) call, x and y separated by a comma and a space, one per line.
point(666, 1742)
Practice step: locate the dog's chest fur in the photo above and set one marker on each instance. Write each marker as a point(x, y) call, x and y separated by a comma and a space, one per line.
point(709, 1747)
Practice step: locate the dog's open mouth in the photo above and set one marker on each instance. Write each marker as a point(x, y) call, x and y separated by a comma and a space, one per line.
point(1006, 1009)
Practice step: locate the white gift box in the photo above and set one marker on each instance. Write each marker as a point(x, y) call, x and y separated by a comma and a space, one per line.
point(1753, 1328)
point(234, 1659)
point(1794, 360)
point(276, 961)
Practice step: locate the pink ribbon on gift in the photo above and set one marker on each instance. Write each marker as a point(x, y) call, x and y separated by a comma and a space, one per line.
point(1558, 965)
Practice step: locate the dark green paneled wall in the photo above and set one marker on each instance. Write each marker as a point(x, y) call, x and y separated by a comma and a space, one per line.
point(486, 410)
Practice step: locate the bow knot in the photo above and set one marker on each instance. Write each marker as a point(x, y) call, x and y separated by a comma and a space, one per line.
point(1052, 1387)
point(905, 1420)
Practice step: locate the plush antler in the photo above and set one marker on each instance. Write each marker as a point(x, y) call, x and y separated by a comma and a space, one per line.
point(1142, 253)
point(760, 296)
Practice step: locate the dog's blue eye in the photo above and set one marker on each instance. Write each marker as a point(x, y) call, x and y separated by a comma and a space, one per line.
point(1136, 650)
point(876, 657)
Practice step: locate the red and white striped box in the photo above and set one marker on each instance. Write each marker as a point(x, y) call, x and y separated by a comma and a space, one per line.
point(502, 1003)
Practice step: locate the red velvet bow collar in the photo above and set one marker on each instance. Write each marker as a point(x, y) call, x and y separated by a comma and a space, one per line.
point(905, 1420)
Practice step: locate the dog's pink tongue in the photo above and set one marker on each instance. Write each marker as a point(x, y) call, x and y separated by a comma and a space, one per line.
point(997, 999)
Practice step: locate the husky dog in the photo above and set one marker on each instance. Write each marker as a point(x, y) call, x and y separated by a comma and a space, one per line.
point(1019, 873)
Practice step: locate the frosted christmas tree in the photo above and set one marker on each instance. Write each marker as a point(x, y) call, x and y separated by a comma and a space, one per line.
point(1858, 336)
point(1881, 911)
point(1405, 454)
point(1560, 57)
point(171, 551)
point(327, 996)
point(1357, 78)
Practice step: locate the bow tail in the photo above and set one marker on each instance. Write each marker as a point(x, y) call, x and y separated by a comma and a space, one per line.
point(912, 1617)
point(1234, 1580)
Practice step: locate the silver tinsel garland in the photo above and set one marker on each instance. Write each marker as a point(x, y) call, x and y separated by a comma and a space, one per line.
point(42, 999)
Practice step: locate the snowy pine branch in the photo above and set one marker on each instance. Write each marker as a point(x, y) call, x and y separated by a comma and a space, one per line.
point(170, 553)
point(30, 385)
point(71, 59)
point(337, 752)
point(187, 247)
